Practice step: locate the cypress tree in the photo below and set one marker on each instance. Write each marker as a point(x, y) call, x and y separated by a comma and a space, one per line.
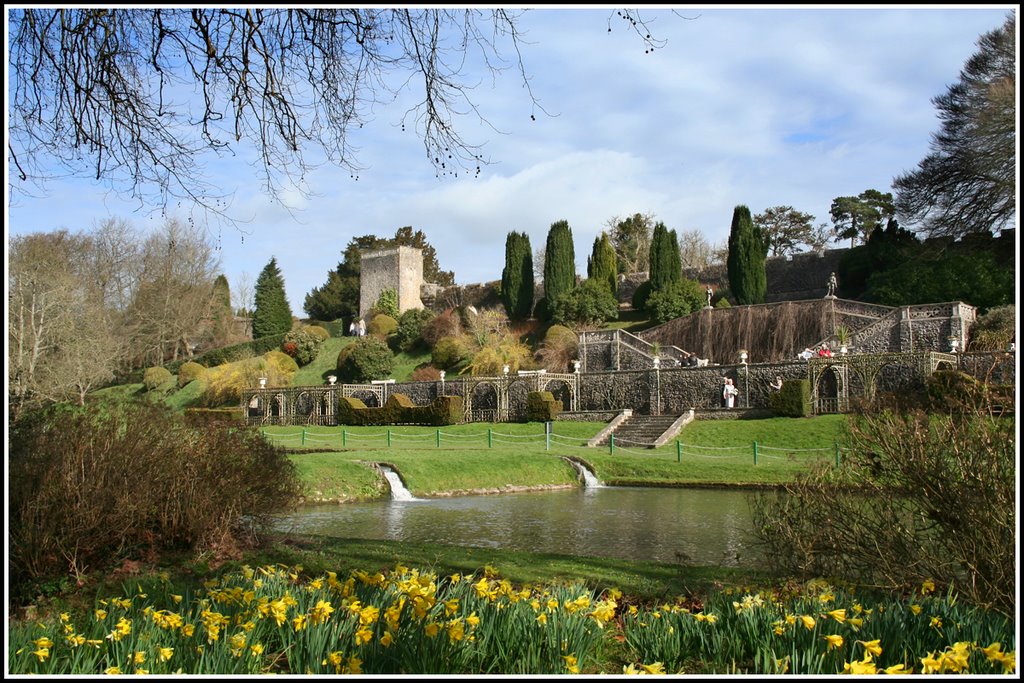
point(517, 277)
point(665, 264)
point(602, 266)
point(273, 315)
point(745, 263)
point(559, 262)
point(220, 309)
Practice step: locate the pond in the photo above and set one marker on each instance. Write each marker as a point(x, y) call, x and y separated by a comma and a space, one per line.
point(692, 525)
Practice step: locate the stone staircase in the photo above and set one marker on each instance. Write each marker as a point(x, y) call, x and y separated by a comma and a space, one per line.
point(643, 431)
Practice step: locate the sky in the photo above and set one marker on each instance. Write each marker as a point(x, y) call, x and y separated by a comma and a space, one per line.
point(742, 105)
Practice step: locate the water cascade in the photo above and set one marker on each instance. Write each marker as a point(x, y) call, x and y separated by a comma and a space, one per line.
point(398, 490)
point(590, 481)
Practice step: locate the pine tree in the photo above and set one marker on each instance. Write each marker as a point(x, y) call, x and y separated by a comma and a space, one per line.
point(273, 315)
point(559, 262)
point(602, 266)
point(665, 264)
point(745, 263)
point(517, 277)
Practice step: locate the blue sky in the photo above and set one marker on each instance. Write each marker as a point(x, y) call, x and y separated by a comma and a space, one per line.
point(761, 107)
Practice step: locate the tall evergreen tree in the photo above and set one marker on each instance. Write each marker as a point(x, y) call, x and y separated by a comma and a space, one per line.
point(273, 315)
point(745, 263)
point(666, 266)
point(517, 277)
point(602, 266)
point(559, 262)
point(220, 311)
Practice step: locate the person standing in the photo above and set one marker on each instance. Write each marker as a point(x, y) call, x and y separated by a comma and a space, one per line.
point(730, 392)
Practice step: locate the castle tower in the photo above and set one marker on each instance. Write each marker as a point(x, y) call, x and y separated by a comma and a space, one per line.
point(398, 268)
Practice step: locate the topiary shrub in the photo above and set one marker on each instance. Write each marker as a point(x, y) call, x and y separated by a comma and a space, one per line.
point(793, 400)
point(541, 406)
point(189, 372)
point(399, 409)
point(447, 352)
point(318, 331)
point(723, 303)
point(366, 359)
point(156, 377)
point(381, 326)
point(282, 362)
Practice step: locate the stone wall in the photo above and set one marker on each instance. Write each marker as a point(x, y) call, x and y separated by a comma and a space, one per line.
point(398, 268)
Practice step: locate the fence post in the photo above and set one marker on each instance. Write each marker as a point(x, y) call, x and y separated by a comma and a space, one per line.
point(344, 438)
point(438, 438)
point(611, 444)
point(389, 438)
point(755, 452)
point(303, 436)
point(490, 437)
point(679, 451)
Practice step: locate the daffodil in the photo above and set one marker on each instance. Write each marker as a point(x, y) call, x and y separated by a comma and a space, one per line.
point(872, 647)
point(655, 668)
point(834, 641)
point(808, 622)
point(165, 653)
point(570, 664)
point(898, 669)
point(838, 614)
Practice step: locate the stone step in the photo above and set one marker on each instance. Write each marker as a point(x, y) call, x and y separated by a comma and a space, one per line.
point(642, 430)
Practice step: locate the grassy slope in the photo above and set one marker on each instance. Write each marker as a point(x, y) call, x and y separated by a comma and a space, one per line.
point(713, 453)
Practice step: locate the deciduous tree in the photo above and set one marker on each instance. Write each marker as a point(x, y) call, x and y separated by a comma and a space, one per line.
point(102, 92)
point(968, 182)
point(631, 238)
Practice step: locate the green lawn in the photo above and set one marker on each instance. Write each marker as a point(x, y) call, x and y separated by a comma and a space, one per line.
point(483, 457)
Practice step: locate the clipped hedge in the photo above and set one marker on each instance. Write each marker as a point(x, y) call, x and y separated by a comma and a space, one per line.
point(204, 417)
point(400, 410)
point(189, 372)
point(541, 406)
point(155, 377)
point(793, 400)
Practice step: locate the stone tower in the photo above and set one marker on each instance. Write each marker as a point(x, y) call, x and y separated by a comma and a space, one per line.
point(397, 268)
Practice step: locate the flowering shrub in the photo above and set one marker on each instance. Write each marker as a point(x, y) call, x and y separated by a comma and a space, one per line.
point(303, 345)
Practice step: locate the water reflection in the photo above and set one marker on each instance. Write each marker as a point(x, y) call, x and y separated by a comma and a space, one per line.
point(702, 526)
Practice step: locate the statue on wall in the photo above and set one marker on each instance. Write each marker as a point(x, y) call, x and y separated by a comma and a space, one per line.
point(833, 284)
point(710, 293)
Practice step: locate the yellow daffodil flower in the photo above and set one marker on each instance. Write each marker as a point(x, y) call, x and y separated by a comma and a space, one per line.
point(834, 641)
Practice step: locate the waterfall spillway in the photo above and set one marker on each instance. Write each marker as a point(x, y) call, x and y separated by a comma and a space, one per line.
point(589, 480)
point(398, 490)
